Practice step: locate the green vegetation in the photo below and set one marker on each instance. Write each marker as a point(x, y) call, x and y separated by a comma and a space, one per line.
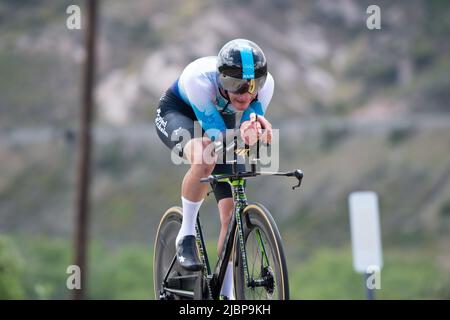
point(123, 273)
point(45, 262)
point(11, 270)
point(329, 274)
point(35, 268)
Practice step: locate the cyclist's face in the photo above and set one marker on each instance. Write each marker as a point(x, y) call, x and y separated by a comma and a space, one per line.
point(241, 101)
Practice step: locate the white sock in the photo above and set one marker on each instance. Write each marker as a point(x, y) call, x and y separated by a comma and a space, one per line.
point(190, 210)
point(227, 286)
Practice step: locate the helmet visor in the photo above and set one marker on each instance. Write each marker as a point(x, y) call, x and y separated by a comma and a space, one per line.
point(241, 86)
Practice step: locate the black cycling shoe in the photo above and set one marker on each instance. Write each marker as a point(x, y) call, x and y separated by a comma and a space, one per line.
point(187, 254)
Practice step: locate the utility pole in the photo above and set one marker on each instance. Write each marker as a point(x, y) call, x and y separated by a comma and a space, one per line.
point(84, 156)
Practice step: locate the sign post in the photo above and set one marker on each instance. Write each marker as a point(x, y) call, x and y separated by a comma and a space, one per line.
point(366, 238)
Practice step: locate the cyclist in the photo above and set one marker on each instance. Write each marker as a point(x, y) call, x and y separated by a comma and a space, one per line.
point(214, 91)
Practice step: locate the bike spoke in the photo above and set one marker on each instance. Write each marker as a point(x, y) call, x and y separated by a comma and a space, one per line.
point(260, 260)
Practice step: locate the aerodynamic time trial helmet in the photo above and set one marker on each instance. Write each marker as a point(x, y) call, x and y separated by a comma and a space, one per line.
point(242, 67)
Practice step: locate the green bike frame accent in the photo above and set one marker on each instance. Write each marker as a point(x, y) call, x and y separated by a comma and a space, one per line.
point(240, 200)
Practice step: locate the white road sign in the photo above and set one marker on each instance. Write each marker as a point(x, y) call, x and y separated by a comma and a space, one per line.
point(365, 231)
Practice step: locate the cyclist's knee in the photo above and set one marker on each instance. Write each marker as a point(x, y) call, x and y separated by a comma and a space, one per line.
point(200, 153)
point(202, 170)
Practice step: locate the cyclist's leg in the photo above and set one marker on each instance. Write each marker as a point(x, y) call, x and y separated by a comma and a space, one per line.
point(176, 130)
point(202, 165)
point(193, 193)
point(226, 206)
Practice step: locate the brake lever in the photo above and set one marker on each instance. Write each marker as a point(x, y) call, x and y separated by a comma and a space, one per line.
point(210, 179)
point(299, 175)
point(212, 190)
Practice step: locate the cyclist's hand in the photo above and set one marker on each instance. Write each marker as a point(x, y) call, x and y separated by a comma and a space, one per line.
point(266, 135)
point(251, 130)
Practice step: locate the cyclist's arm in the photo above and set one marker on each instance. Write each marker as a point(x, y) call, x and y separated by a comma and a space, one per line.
point(255, 107)
point(198, 93)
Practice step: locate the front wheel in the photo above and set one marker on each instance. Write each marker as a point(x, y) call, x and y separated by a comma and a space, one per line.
point(266, 263)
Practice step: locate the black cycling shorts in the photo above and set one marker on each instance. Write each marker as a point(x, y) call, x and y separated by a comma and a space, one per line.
point(171, 115)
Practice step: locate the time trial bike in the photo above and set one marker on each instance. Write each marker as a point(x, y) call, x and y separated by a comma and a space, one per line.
point(253, 243)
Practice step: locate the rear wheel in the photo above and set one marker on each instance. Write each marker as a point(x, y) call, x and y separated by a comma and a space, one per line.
point(179, 280)
point(266, 261)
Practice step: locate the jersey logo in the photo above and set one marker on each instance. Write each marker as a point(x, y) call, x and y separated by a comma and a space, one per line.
point(160, 123)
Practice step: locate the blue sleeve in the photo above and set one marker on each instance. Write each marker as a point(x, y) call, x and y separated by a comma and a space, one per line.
point(255, 107)
point(210, 120)
point(197, 90)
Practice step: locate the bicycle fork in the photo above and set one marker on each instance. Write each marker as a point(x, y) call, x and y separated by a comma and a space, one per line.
point(241, 202)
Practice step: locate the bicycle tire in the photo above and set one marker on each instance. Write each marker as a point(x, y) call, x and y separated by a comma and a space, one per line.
point(257, 217)
point(164, 251)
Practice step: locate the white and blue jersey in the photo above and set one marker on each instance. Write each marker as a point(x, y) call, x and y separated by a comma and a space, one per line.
point(198, 87)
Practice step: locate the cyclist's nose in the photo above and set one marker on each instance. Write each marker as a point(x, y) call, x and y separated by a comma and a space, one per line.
point(243, 98)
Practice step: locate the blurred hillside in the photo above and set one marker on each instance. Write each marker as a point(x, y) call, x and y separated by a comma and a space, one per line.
point(325, 61)
point(358, 110)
